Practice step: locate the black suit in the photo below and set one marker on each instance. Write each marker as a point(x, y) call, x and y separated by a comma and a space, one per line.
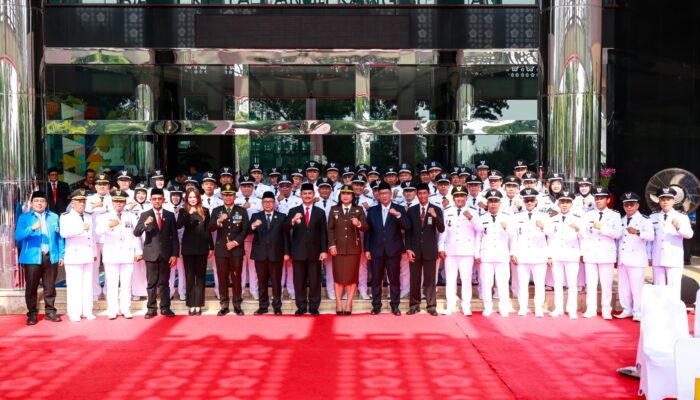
point(229, 263)
point(270, 244)
point(159, 245)
point(62, 194)
point(196, 244)
point(422, 239)
point(307, 244)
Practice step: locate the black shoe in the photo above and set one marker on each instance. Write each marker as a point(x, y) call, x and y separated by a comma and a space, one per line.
point(222, 312)
point(433, 313)
point(198, 312)
point(192, 312)
point(52, 317)
point(376, 310)
point(278, 311)
point(299, 312)
point(315, 313)
point(340, 312)
point(412, 311)
point(396, 311)
point(150, 314)
point(260, 311)
point(347, 312)
point(238, 311)
point(167, 312)
point(31, 319)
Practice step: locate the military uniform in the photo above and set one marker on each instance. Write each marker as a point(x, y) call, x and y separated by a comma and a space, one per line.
point(347, 240)
point(106, 201)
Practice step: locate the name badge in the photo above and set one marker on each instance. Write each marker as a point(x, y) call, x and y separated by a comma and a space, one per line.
point(430, 221)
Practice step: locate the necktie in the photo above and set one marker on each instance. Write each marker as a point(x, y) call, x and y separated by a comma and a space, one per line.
point(563, 218)
point(665, 216)
point(269, 220)
point(510, 202)
point(246, 199)
point(347, 210)
point(306, 216)
point(160, 220)
point(209, 201)
point(422, 216)
point(324, 203)
point(119, 216)
point(228, 211)
point(53, 188)
point(82, 217)
point(459, 212)
point(628, 220)
point(384, 212)
point(529, 216)
point(474, 201)
point(493, 217)
point(601, 216)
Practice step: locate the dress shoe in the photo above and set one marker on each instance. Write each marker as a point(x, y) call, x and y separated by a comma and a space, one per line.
point(53, 317)
point(433, 313)
point(486, 313)
point(150, 314)
point(223, 312)
point(412, 311)
point(539, 314)
point(637, 317)
point(199, 311)
point(347, 312)
point(260, 311)
point(32, 319)
point(589, 314)
point(278, 311)
point(315, 313)
point(364, 296)
point(607, 315)
point(396, 311)
point(522, 313)
point(467, 313)
point(573, 315)
point(555, 313)
point(340, 312)
point(91, 317)
point(112, 316)
point(167, 312)
point(376, 310)
point(238, 311)
point(127, 315)
point(192, 312)
point(299, 312)
point(624, 314)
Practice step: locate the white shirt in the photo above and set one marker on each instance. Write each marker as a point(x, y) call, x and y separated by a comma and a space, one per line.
point(635, 250)
point(120, 244)
point(530, 245)
point(211, 202)
point(600, 245)
point(496, 241)
point(667, 249)
point(288, 203)
point(563, 240)
point(462, 237)
point(385, 213)
point(80, 244)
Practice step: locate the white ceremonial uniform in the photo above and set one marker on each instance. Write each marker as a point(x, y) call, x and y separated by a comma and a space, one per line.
point(404, 264)
point(119, 250)
point(495, 261)
point(583, 204)
point(531, 251)
point(325, 205)
point(397, 194)
point(248, 273)
point(632, 262)
point(512, 206)
point(667, 249)
point(565, 251)
point(211, 202)
point(473, 204)
point(106, 200)
point(288, 203)
point(599, 250)
point(461, 242)
point(437, 199)
point(179, 269)
point(139, 281)
point(79, 260)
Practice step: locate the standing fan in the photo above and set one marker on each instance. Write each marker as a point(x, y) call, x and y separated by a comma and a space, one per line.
point(685, 184)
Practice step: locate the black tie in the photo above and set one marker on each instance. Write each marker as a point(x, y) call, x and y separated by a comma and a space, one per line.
point(209, 201)
point(324, 203)
point(529, 216)
point(459, 212)
point(246, 199)
point(665, 216)
point(563, 218)
point(510, 202)
point(494, 218)
point(268, 220)
point(601, 216)
point(628, 220)
point(474, 201)
point(82, 217)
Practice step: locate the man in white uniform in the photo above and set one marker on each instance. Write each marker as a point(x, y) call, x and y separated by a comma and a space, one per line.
point(98, 204)
point(252, 204)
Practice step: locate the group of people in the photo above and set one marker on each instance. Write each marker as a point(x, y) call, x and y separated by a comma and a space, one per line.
point(354, 223)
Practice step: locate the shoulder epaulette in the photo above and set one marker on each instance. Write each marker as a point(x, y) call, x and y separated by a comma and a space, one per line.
point(645, 216)
point(615, 210)
point(65, 213)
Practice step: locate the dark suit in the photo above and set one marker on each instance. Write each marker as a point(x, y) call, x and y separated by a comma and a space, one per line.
point(270, 244)
point(385, 243)
point(422, 239)
point(62, 193)
point(159, 245)
point(307, 244)
point(229, 263)
point(196, 244)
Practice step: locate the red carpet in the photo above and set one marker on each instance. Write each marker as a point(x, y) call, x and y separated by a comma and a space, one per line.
point(329, 357)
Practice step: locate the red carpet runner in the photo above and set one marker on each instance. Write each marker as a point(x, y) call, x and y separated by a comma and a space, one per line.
point(329, 357)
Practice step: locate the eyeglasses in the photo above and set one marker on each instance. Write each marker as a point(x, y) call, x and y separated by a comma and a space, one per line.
point(529, 200)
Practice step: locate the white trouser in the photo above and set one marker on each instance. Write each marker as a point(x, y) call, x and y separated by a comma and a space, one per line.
point(405, 275)
point(139, 281)
point(560, 271)
point(549, 277)
point(330, 284)
point(288, 277)
point(249, 274)
point(501, 271)
point(96, 289)
point(462, 266)
point(538, 272)
point(669, 276)
point(212, 262)
point(119, 295)
point(180, 270)
point(629, 287)
point(581, 279)
point(602, 272)
point(515, 279)
point(364, 272)
point(79, 290)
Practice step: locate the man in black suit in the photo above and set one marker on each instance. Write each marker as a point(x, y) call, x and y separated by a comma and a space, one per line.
point(309, 244)
point(422, 249)
point(57, 192)
point(161, 248)
point(231, 225)
point(384, 246)
point(269, 250)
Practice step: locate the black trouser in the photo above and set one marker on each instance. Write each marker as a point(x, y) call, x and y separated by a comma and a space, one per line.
point(311, 271)
point(158, 276)
point(423, 270)
point(392, 266)
point(229, 268)
point(46, 273)
point(195, 275)
point(269, 270)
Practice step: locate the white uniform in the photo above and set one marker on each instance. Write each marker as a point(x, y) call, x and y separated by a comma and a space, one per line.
point(179, 269)
point(248, 273)
point(119, 250)
point(397, 194)
point(583, 204)
point(565, 251)
point(495, 260)
point(211, 202)
point(531, 251)
point(599, 251)
point(139, 280)
point(328, 263)
point(667, 250)
point(512, 206)
point(288, 203)
point(461, 242)
point(438, 198)
point(96, 212)
point(633, 253)
point(79, 260)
